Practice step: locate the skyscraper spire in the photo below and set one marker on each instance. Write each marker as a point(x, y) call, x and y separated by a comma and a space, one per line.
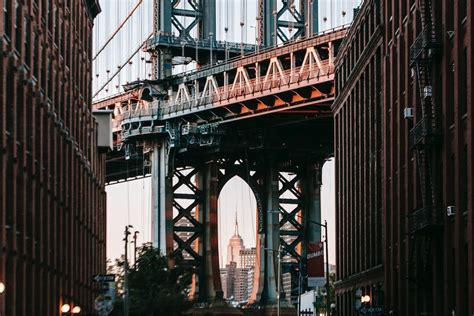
point(236, 232)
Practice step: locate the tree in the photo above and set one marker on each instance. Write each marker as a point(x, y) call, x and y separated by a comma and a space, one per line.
point(155, 287)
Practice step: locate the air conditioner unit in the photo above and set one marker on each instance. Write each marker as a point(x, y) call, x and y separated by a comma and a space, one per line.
point(450, 210)
point(408, 113)
point(428, 91)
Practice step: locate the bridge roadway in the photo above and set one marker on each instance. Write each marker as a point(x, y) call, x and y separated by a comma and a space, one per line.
point(264, 117)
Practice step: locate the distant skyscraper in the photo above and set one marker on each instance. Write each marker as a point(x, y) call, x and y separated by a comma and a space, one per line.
point(235, 245)
point(247, 257)
point(237, 276)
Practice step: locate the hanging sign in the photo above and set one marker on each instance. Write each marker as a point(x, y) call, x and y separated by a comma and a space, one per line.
point(315, 264)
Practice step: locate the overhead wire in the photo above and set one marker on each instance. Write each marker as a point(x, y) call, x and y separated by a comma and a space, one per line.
point(141, 55)
point(123, 65)
point(96, 46)
point(118, 50)
point(138, 3)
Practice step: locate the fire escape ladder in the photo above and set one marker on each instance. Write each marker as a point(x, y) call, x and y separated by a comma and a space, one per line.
point(426, 256)
point(424, 222)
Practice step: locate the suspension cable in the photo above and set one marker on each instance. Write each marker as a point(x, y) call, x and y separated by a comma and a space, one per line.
point(139, 2)
point(123, 65)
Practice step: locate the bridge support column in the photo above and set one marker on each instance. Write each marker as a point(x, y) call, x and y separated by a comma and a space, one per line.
point(210, 282)
point(311, 189)
point(272, 234)
point(162, 199)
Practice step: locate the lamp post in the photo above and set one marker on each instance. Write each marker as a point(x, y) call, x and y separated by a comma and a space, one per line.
point(196, 40)
point(135, 247)
point(126, 298)
point(325, 226)
point(255, 35)
point(211, 44)
point(275, 31)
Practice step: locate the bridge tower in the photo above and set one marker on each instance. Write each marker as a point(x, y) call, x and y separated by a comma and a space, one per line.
point(167, 14)
point(274, 25)
point(194, 155)
point(277, 21)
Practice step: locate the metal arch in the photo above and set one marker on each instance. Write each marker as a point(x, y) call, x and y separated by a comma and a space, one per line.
point(232, 170)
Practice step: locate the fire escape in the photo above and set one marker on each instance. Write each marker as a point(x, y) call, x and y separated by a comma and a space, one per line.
point(425, 222)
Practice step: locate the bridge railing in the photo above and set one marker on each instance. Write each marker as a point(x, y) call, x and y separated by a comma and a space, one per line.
point(290, 76)
point(226, 93)
point(254, 85)
point(267, 51)
point(171, 39)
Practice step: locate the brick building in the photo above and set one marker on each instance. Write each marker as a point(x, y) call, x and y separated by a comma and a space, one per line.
point(52, 198)
point(358, 138)
point(404, 108)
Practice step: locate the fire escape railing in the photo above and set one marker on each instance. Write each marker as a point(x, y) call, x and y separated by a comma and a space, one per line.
point(425, 134)
point(425, 222)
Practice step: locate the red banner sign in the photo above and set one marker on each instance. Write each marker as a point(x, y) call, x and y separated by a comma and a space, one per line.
point(315, 263)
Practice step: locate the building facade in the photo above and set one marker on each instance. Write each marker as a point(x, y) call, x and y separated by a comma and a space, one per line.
point(358, 156)
point(52, 197)
point(241, 284)
point(418, 102)
point(247, 257)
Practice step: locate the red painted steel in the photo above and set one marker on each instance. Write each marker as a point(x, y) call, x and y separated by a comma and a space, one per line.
point(423, 255)
point(52, 198)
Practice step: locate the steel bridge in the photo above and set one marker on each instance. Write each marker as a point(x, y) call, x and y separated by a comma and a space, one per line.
point(264, 117)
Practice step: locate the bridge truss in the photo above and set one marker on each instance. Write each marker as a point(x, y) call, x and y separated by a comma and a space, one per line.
point(264, 117)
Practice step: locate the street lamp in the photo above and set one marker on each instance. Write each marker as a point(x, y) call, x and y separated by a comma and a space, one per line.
point(76, 309)
point(325, 226)
point(126, 299)
point(65, 308)
point(2, 287)
point(365, 299)
point(69, 309)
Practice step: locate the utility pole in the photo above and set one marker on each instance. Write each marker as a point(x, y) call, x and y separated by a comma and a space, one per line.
point(135, 247)
point(126, 299)
point(279, 279)
point(298, 312)
point(328, 303)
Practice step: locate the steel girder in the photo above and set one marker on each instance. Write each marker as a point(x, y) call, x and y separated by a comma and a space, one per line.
point(286, 21)
point(185, 216)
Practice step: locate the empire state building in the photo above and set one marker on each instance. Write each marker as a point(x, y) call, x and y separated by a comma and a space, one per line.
point(236, 244)
point(237, 276)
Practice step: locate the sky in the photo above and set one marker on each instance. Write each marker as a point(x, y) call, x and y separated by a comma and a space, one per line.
point(130, 202)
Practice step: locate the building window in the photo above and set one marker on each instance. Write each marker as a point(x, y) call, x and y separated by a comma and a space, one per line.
point(462, 8)
point(18, 22)
point(7, 19)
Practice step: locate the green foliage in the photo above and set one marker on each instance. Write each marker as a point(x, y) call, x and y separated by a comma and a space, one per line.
point(156, 288)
